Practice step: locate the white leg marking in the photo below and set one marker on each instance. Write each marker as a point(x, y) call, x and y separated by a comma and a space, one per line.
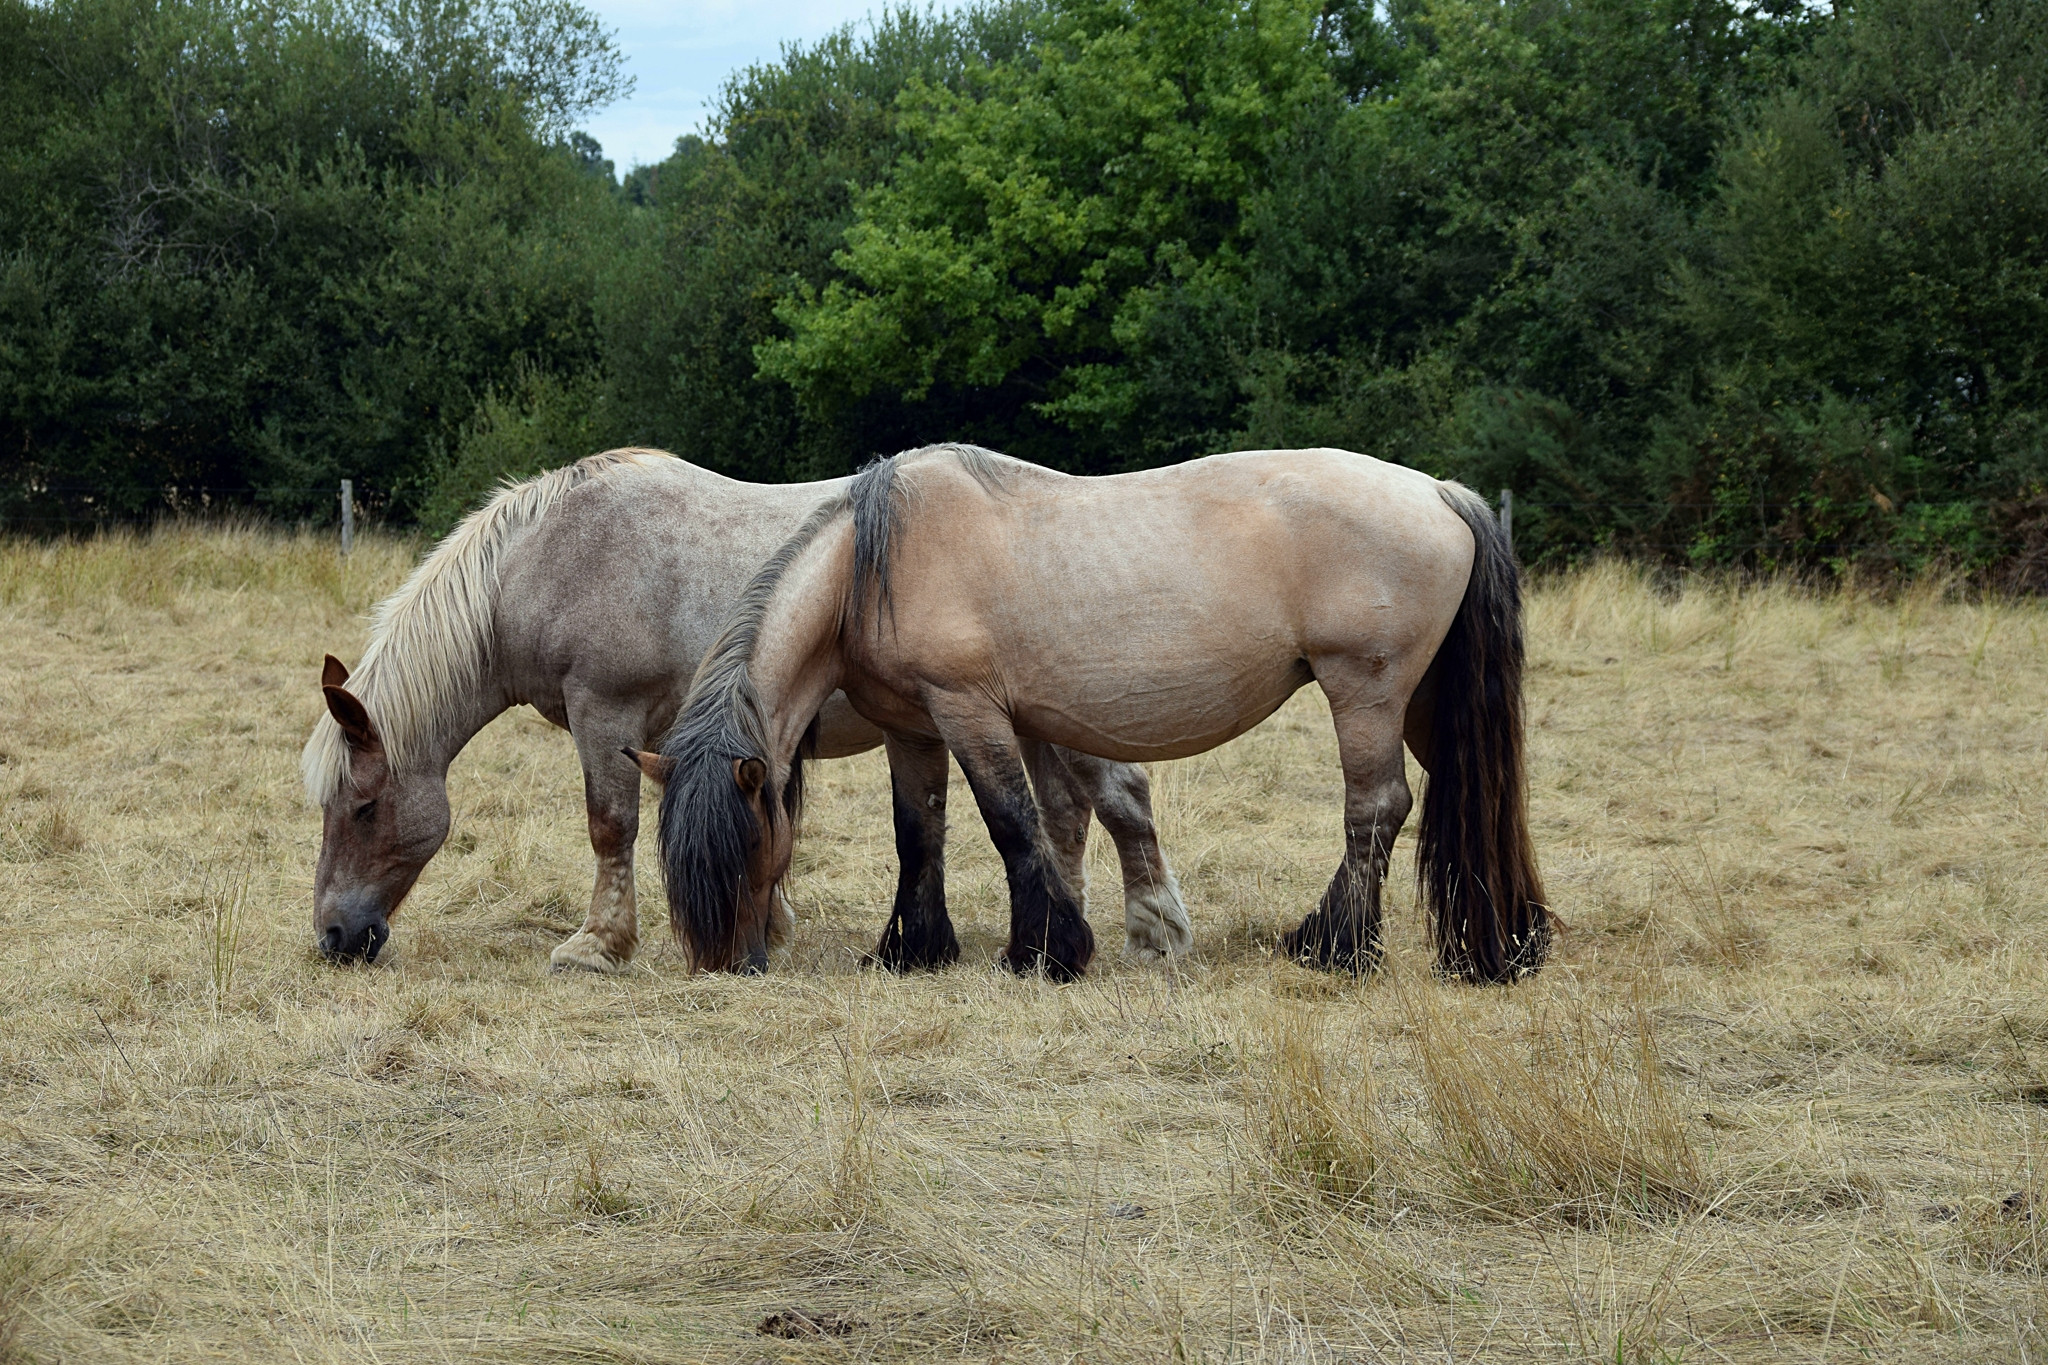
point(585, 951)
point(1156, 924)
point(610, 932)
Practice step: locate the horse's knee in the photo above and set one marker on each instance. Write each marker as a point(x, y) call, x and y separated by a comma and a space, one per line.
point(1123, 801)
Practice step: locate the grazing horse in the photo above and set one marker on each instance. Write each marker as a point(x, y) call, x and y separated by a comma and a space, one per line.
point(962, 600)
point(590, 593)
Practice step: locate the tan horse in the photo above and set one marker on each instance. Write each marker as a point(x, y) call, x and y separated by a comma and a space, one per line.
point(962, 600)
point(590, 593)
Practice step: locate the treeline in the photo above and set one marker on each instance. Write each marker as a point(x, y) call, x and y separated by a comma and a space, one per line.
point(1722, 284)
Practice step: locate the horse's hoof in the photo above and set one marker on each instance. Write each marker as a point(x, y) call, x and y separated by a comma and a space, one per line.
point(1139, 953)
point(1156, 924)
point(585, 952)
point(892, 959)
point(914, 953)
point(1318, 952)
point(1055, 971)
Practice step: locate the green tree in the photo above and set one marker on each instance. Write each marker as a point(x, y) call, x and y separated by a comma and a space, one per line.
point(733, 224)
point(1044, 208)
point(1871, 294)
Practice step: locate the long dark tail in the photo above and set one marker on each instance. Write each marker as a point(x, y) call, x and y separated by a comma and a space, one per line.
point(1474, 858)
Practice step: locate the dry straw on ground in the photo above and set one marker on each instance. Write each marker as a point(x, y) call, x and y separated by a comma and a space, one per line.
point(1780, 1096)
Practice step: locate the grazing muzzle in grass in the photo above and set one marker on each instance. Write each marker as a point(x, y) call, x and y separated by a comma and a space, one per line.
point(357, 931)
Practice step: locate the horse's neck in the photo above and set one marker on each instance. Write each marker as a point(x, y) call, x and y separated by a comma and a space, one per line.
point(456, 723)
point(797, 662)
point(489, 701)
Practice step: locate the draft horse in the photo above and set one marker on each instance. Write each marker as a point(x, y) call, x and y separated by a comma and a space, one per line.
point(590, 593)
point(964, 601)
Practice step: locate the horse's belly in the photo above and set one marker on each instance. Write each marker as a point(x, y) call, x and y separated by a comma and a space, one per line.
point(1137, 717)
point(843, 731)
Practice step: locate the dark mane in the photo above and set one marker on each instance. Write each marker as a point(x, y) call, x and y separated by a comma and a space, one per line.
point(880, 500)
point(708, 831)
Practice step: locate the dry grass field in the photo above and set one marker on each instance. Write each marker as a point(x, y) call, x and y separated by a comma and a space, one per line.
point(1779, 1097)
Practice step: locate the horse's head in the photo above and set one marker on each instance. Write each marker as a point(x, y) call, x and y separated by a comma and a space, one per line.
point(378, 829)
point(726, 841)
point(760, 915)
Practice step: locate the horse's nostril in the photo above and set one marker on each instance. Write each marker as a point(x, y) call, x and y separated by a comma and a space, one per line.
point(330, 941)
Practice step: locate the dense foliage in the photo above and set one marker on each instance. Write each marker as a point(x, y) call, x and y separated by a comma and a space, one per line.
point(1722, 283)
point(250, 246)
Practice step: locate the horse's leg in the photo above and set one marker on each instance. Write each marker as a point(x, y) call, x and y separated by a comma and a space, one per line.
point(1046, 926)
point(919, 933)
point(1155, 922)
point(611, 800)
point(1064, 809)
point(1343, 933)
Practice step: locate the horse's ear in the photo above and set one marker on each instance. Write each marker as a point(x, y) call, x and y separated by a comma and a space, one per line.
point(654, 765)
point(333, 673)
point(354, 721)
point(751, 774)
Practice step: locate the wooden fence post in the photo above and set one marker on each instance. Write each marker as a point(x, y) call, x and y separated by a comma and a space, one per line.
point(348, 515)
point(1507, 517)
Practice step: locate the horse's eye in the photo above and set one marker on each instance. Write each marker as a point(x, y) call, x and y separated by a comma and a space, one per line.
point(366, 810)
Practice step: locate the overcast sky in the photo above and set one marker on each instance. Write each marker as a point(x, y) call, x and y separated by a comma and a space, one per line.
point(679, 54)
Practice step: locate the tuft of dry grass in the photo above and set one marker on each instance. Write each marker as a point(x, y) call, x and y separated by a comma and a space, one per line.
point(1574, 1118)
point(1779, 1096)
point(226, 922)
point(1317, 1111)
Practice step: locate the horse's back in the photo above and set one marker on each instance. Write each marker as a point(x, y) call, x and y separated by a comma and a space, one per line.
point(622, 587)
point(1277, 528)
point(1400, 510)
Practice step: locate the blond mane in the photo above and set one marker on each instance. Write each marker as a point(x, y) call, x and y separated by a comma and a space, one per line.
point(430, 642)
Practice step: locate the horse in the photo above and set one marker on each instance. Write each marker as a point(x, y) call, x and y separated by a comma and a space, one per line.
point(966, 602)
point(590, 593)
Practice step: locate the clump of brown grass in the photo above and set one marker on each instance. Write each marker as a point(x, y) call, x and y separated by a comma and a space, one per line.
point(49, 831)
point(1319, 1119)
point(58, 833)
point(853, 1179)
point(1577, 1119)
point(598, 1192)
point(1720, 930)
point(226, 926)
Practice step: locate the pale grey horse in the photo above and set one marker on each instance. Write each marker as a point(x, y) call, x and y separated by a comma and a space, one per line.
point(590, 593)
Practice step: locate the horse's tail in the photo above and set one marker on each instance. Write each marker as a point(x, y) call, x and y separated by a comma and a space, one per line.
point(1474, 858)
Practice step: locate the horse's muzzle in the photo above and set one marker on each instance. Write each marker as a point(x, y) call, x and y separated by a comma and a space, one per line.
point(360, 938)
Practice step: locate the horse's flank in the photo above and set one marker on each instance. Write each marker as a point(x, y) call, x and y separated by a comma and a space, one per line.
point(431, 641)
